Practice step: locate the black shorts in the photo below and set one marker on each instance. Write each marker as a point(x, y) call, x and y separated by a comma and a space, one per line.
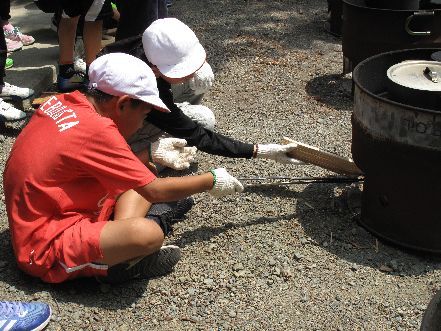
point(92, 10)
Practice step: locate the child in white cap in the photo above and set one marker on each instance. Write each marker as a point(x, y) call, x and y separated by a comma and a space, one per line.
point(175, 54)
point(76, 195)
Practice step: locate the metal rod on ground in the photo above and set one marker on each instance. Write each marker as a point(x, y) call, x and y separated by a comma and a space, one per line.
point(281, 180)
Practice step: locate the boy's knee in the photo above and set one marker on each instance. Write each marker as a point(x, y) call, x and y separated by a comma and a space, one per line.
point(200, 114)
point(146, 234)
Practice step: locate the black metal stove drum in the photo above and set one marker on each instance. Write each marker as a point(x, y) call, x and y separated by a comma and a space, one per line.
point(368, 30)
point(397, 144)
point(393, 48)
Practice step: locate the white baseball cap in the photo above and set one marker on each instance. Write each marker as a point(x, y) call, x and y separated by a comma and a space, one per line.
point(120, 74)
point(173, 48)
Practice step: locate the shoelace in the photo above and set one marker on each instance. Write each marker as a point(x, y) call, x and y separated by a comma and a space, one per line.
point(14, 31)
point(81, 74)
point(11, 308)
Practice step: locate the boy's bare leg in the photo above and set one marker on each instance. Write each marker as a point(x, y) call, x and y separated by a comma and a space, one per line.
point(131, 235)
point(66, 39)
point(129, 239)
point(131, 204)
point(92, 35)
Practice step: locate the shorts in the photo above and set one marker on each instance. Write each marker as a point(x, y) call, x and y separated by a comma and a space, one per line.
point(92, 10)
point(73, 253)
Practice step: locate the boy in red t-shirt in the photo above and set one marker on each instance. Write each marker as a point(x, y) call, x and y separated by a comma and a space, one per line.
point(76, 195)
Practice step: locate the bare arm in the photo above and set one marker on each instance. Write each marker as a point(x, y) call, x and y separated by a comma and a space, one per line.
point(175, 188)
point(144, 157)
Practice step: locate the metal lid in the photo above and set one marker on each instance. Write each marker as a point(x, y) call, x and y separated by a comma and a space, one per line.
point(417, 74)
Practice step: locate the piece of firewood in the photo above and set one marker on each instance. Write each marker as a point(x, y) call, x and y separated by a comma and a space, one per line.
point(326, 160)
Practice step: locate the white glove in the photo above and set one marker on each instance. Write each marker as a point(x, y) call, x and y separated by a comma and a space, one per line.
point(277, 153)
point(171, 152)
point(202, 79)
point(224, 183)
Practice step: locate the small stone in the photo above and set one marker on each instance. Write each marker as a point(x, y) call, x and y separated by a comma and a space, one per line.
point(192, 291)
point(385, 268)
point(208, 281)
point(298, 256)
point(354, 267)
point(240, 273)
point(272, 262)
point(232, 314)
point(286, 273)
point(237, 266)
point(124, 327)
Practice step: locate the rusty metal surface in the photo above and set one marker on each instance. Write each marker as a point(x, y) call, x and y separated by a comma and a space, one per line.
point(385, 118)
point(390, 120)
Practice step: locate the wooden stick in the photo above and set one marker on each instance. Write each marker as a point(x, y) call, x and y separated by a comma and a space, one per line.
point(326, 160)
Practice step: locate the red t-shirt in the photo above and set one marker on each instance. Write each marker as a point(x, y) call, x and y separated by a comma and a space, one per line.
point(68, 163)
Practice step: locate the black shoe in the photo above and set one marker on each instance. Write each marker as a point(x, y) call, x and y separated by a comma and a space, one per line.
point(165, 214)
point(176, 210)
point(157, 264)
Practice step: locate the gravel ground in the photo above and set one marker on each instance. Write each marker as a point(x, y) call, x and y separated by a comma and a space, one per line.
point(281, 258)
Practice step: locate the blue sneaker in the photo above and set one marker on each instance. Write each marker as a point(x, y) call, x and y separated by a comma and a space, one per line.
point(24, 316)
point(74, 80)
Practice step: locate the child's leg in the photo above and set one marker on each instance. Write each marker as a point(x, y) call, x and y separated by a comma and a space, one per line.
point(92, 35)
point(130, 235)
point(117, 250)
point(131, 205)
point(128, 239)
point(66, 39)
point(93, 27)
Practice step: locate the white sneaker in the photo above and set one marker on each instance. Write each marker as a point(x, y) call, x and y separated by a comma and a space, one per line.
point(10, 113)
point(80, 65)
point(12, 91)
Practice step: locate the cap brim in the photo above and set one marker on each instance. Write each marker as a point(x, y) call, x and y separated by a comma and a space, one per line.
point(156, 103)
point(187, 66)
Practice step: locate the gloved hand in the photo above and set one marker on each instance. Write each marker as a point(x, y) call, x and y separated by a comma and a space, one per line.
point(202, 79)
point(171, 152)
point(224, 183)
point(277, 153)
